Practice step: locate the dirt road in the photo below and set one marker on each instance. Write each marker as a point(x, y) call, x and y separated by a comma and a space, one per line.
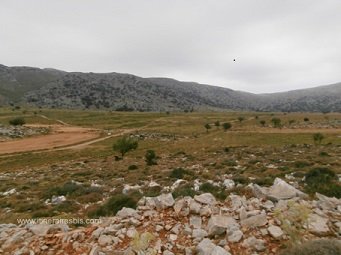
point(60, 136)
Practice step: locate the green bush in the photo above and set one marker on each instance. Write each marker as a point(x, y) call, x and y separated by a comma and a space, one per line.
point(318, 137)
point(178, 173)
point(125, 144)
point(209, 187)
point(150, 158)
point(227, 126)
point(315, 247)
point(113, 205)
point(276, 122)
point(207, 126)
point(241, 179)
point(218, 192)
point(320, 175)
point(267, 181)
point(67, 189)
point(19, 121)
point(184, 190)
point(132, 167)
point(324, 181)
point(152, 191)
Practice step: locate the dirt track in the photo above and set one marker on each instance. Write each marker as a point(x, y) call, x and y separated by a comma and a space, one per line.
point(60, 136)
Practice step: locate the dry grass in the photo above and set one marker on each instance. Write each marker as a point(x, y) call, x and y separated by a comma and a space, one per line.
point(178, 139)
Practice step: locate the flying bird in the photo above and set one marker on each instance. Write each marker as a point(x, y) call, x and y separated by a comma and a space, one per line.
point(234, 59)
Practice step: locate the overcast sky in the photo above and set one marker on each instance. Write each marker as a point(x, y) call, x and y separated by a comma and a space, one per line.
point(278, 45)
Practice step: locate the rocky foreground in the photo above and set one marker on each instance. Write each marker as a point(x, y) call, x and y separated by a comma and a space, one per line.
point(263, 224)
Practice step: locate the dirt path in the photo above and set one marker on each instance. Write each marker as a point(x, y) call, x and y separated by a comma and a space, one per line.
point(60, 136)
point(84, 144)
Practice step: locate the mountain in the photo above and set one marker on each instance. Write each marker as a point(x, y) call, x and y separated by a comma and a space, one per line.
point(117, 91)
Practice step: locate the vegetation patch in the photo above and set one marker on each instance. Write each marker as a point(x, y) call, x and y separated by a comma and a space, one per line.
point(113, 205)
point(324, 181)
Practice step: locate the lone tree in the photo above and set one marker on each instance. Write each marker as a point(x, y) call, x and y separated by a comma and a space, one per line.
point(318, 137)
point(276, 122)
point(150, 158)
point(207, 126)
point(217, 123)
point(19, 121)
point(125, 144)
point(240, 118)
point(227, 126)
point(262, 122)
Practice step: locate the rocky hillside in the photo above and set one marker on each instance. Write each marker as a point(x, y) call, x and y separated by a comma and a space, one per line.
point(115, 91)
point(261, 224)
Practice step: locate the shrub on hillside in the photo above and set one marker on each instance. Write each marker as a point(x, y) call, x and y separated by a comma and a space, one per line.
point(133, 167)
point(178, 173)
point(276, 122)
point(150, 158)
point(227, 126)
point(218, 192)
point(125, 144)
point(241, 179)
point(318, 137)
point(17, 121)
point(266, 181)
point(315, 247)
point(183, 191)
point(324, 181)
point(113, 205)
point(207, 126)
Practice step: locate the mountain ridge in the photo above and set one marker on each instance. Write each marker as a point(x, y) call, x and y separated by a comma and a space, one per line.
point(50, 87)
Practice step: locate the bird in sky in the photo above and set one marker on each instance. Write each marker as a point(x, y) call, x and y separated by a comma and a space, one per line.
point(234, 59)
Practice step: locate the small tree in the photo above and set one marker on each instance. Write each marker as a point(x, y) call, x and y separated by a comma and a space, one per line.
point(19, 121)
point(276, 122)
point(227, 126)
point(125, 144)
point(217, 123)
point(318, 137)
point(240, 118)
point(207, 126)
point(262, 122)
point(150, 158)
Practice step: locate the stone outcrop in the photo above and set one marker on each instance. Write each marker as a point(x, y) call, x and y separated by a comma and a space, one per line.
point(163, 225)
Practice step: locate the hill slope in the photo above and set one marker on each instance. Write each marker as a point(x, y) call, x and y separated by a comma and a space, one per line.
point(54, 88)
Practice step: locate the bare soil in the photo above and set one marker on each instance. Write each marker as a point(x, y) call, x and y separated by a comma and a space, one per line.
point(60, 136)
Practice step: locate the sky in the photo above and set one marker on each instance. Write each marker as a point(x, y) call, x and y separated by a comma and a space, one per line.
point(277, 45)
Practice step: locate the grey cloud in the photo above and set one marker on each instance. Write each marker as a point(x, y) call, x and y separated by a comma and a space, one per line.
point(278, 45)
